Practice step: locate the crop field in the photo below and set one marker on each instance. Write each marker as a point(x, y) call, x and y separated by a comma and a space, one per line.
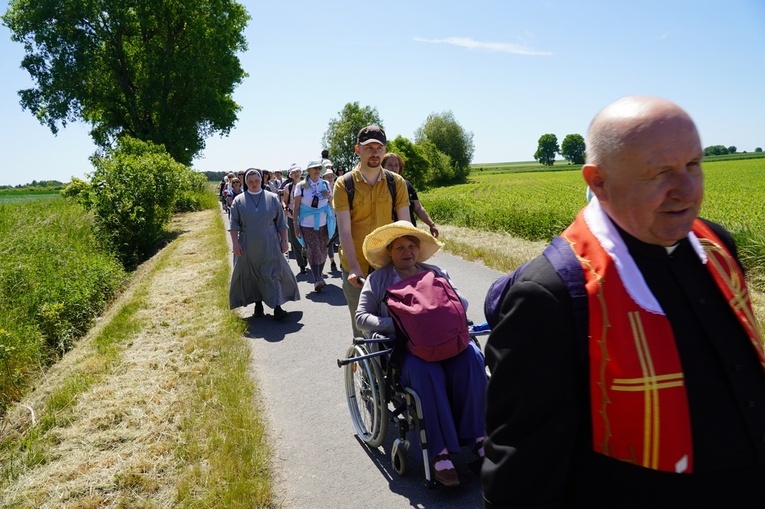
point(537, 205)
point(16, 197)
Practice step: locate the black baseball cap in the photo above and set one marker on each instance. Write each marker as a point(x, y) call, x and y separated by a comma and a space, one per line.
point(372, 133)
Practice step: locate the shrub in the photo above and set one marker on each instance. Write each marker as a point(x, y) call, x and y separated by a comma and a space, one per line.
point(134, 190)
point(194, 192)
point(78, 190)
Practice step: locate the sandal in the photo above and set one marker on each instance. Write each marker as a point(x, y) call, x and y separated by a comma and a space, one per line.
point(448, 476)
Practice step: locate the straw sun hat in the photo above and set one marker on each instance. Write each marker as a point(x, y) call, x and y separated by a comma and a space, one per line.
point(375, 243)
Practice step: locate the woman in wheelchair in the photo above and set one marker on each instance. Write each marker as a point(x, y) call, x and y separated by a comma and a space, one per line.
point(452, 390)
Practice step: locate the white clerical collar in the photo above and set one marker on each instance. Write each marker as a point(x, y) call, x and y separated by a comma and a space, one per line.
point(605, 231)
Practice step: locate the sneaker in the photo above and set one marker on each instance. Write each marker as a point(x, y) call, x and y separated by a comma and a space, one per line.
point(303, 270)
point(279, 313)
point(318, 285)
point(333, 266)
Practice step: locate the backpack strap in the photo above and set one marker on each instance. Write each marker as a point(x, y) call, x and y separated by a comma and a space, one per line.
point(569, 268)
point(392, 188)
point(350, 188)
point(496, 294)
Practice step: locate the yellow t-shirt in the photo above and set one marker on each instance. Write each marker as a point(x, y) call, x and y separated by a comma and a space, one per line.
point(372, 208)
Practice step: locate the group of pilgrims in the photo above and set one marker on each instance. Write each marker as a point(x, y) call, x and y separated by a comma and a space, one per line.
point(271, 216)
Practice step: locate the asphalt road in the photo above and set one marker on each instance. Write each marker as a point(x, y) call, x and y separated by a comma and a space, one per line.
point(319, 461)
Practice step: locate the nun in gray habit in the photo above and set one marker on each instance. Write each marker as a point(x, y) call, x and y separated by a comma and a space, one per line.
point(259, 236)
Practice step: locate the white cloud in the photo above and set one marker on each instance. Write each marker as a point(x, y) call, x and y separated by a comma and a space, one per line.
point(496, 47)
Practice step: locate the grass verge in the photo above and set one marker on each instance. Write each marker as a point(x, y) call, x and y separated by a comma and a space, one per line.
point(155, 407)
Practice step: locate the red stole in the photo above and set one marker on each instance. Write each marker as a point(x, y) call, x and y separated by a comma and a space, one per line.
point(639, 406)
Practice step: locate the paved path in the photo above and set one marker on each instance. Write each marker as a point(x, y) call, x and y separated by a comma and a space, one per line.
point(319, 461)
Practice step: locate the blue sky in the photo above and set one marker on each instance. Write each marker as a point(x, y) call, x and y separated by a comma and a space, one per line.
point(509, 70)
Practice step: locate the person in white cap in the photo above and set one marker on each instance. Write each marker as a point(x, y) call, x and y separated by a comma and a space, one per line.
point(314, 219)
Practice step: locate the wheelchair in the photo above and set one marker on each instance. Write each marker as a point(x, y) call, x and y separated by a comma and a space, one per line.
point(376, 398)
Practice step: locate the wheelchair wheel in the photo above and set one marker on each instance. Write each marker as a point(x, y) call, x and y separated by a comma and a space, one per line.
point(365, 391)
point(398, 456)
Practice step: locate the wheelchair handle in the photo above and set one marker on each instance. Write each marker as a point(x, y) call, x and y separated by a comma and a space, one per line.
point(343, 362)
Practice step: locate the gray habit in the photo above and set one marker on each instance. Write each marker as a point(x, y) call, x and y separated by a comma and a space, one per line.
point(262, 272)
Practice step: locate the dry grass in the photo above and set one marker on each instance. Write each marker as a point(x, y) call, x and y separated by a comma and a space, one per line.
point(138, 414)
point(496, 250)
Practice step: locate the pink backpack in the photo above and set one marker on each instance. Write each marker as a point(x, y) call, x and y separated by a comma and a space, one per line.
point(429, 315)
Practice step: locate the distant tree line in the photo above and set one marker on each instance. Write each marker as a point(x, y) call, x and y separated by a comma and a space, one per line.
point(214, 176)
point(38, 185)
point(572, 149)
point(721, 150)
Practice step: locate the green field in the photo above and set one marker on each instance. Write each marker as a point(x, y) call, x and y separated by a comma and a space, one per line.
point(16, 197)
point(527, 201)
point(55, 279)
point(529, 166)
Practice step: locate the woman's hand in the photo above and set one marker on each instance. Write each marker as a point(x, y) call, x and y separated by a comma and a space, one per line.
point(284, 245)
point(237, 248)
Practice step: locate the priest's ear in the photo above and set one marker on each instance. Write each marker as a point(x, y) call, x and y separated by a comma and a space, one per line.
point(595, 177)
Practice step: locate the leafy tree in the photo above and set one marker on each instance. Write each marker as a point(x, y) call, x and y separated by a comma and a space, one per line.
point(417, 169)
point(758, 149)
point(715, 150)
point(342, 133)
point(162, 71)
point(572, 148)
point(449, 137)
point(441, 165)
point(732, 149)
point(546, 149)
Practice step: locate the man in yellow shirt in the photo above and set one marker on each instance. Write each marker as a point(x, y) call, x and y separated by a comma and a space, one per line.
point(372, 207)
